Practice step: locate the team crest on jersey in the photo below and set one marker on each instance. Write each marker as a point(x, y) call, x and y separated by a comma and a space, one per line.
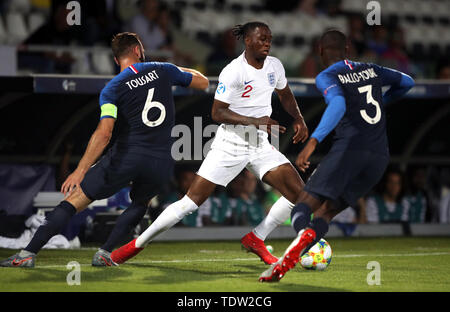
point(271, 77)
point(220, 88)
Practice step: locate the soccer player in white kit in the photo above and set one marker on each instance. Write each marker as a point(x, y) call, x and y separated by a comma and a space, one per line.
point(242, 106)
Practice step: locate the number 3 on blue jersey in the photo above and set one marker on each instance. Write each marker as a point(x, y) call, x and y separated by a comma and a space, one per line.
point(370, 100)
point(150, 104)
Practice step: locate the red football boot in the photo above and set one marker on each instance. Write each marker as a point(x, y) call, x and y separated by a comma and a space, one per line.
point(125, 252)
point(256, 245)
point(290, 258)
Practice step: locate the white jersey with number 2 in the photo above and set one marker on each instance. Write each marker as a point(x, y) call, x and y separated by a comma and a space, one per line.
point(249, 90)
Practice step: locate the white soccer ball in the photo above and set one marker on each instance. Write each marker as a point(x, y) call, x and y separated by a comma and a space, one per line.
point(318, 256)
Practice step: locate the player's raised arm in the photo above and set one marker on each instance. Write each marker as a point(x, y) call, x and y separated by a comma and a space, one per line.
point(290, 105)
point(199, 81)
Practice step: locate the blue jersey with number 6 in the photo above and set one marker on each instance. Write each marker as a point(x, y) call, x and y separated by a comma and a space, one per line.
point(141, 100)
point(356, 104)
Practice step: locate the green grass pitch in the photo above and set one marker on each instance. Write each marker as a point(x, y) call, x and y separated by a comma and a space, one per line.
point(406, 264)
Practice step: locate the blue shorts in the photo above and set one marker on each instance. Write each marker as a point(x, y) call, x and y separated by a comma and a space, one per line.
point(346, 175)
point(116, 170)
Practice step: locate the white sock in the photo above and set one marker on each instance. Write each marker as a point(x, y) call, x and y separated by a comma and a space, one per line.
point(168, 218)
point(278, 214)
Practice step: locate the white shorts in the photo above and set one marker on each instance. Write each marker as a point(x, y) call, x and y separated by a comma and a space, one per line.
point(235, 148)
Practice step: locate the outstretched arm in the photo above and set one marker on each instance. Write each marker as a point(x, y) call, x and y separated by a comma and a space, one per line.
point(290, 105)
point(336, 106)
point(330, 118)
point(199, 81)
point(97, 143)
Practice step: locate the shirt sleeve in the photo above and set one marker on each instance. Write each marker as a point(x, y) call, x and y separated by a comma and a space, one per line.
point(178, 77)
point(282, 80)
point(108, 108)
point(227, 87)
point(336, 105)
point(400, 83)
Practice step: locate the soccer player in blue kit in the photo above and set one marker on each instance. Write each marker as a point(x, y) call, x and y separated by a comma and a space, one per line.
point(140, 99)
point(359, 154)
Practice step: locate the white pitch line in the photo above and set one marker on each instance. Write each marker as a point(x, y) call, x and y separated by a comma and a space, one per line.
point(257, 259)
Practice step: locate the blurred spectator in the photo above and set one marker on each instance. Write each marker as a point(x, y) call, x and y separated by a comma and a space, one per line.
point(444, 207)
point(329, 7)
point(102, 22)
point(147, 25)
point(200, 217)
point(444, 71)
point(416, 202)
point(308, 7)
point(347, 219)
point(166, 24)
point(388, 205)
point(311, 65)
point(55, 32)
point(378, 42)
point(395, 56)
point(243, 203)
point(356, 35)
point(224, 52)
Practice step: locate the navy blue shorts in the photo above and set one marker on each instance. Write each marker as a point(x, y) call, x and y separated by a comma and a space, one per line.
point(346, 175)
point(116, 170)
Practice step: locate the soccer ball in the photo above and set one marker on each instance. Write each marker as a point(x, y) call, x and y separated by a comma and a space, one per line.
point(318, 256)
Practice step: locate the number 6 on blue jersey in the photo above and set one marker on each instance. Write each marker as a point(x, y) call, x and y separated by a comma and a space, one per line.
point(150, 104)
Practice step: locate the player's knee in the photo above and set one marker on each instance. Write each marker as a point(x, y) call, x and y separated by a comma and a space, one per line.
point(78, 199)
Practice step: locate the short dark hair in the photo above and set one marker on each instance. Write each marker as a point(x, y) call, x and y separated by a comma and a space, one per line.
point(333, 39)
point(122, 43)
point(241, 31)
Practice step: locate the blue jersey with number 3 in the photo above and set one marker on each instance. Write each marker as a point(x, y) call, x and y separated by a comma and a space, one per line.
point(141, 100)
point(353, 93)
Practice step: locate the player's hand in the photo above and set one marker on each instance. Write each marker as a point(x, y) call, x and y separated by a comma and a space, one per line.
point(301, 131)
point(72, 181)
point(269, 125)
point(302, 161)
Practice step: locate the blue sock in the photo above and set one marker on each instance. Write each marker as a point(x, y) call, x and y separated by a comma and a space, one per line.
point(320, 226)
point(54, 223)
point(300, 216)
point(126, 222)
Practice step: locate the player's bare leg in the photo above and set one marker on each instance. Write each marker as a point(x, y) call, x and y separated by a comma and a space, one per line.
point(287, 181)
point(54, 223)
point(198, 192)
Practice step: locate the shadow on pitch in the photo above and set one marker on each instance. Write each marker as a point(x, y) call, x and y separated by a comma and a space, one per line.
point(245, 272)
point(174, 274)
point(60, 275)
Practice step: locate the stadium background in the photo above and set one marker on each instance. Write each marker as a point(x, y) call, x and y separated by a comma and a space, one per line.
point(51, 75)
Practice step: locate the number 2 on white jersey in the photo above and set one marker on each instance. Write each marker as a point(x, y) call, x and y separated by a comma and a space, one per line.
point(150, 104)
point(370, 100)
